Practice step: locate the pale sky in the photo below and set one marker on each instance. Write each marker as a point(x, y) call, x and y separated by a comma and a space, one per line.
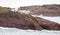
point(38, 2)
point(18, 3)
point(10, 3)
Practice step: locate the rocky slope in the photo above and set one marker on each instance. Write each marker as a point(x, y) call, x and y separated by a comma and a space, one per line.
point(46, 10)
point(18, 20)
point(49, 25)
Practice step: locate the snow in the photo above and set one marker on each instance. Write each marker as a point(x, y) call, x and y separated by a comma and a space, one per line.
point(54, 19)
point(14, 31)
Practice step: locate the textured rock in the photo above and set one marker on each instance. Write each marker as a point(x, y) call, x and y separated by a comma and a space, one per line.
point(18, 20)
point(49, 25)
point(45, 10)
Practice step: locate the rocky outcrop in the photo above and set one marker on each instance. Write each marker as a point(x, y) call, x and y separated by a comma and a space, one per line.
point(45, 10)
point(49, 25)
point(3, 9)
point(18, 20)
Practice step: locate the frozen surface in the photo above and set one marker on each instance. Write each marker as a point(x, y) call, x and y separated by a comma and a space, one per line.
point(54, 19)
point(14, 31)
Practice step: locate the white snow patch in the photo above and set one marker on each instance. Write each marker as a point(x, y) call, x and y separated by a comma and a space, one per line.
point(14, 31)
point(54, 19)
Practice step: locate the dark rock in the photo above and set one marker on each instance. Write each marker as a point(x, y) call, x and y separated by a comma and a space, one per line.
point(45, 10)
point(18, 20)
point(49, 25)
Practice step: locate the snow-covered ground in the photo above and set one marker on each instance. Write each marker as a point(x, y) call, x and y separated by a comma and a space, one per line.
point(14, 31)
point(54, 19)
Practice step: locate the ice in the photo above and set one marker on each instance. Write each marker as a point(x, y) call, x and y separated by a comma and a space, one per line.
point(14, 31)
point(54, 19)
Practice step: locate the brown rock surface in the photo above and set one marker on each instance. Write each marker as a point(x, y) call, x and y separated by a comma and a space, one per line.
point(49, 25)
point(46, 10)
point(17, 20)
